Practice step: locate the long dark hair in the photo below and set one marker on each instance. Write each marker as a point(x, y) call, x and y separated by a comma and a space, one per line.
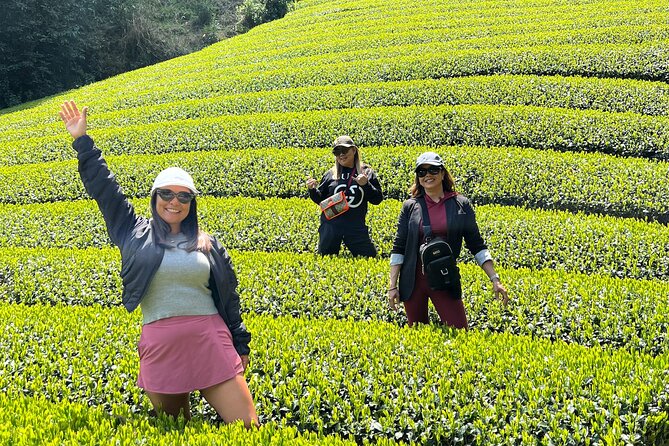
point(416, 190)
point(195, 238)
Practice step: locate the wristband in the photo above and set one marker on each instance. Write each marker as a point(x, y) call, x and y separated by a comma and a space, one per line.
point(393, 288)
point(495, 277)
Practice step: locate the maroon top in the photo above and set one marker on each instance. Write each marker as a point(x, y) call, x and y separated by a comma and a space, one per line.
point(437, 212)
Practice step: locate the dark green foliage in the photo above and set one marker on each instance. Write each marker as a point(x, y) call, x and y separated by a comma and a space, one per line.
point(255, 12)
point(143, 32)
point(47, 47)
point(43, 47)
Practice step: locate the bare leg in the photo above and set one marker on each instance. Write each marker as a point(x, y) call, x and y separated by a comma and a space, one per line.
point(232, 400)
point(171, 404)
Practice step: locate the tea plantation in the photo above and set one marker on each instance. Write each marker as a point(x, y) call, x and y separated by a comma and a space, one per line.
point(552, 115)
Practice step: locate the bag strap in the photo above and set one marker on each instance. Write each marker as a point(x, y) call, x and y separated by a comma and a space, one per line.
point(427, 229)
point(350, 180)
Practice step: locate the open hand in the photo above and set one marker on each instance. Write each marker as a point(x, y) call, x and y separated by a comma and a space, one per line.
point(75, 122)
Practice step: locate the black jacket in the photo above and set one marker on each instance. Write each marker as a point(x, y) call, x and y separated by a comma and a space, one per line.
point(141, 255)
point(358, 196)
point(461, 224)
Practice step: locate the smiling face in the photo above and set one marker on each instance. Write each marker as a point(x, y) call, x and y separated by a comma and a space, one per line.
point(433, 180)
point(345, 156)
point(173, 212)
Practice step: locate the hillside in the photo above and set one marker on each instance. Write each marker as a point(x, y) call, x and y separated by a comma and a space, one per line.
point(552, 117)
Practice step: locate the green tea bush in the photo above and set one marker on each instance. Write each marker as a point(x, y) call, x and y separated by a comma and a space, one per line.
point(591, 310)
point(517, 237)
point(26, 421)
point(611, 95)
point(590, 183)
point(538, 107)
point(361, 380)
point(485, 125)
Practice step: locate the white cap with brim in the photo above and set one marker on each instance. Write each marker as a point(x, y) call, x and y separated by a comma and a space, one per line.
point(429, 158)
point(174, 176)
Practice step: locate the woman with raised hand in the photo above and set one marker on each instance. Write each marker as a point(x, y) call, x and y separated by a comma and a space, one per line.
point(449, 216)
point(356, 183)
point(193, 337)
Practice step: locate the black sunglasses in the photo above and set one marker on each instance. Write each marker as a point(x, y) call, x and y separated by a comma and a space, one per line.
point(168, 195)
point(341, 150)
point(432, 170)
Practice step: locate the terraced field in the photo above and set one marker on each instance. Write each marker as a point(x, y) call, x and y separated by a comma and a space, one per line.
point(552, 117)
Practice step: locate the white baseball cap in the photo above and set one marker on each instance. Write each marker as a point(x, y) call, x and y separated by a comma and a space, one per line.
point(174, 176)
point(429, 158)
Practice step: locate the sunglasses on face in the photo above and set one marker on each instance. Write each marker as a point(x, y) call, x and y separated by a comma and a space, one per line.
point(340, 151)
point(168, 195)
point(432, 170)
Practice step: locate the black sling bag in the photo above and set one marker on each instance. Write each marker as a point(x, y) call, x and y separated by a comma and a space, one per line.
point(439, 264)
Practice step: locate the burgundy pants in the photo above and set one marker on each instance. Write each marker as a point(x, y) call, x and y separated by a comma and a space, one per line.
point(451, 311)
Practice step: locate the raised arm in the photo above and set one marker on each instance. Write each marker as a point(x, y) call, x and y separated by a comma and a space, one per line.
point(99, 181)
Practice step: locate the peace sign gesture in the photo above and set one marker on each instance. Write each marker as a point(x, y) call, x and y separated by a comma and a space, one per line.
point(75, 122)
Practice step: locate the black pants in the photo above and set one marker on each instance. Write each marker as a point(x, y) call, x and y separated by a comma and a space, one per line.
point(356, 240)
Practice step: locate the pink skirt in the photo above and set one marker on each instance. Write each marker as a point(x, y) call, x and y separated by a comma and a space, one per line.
point(185, 353)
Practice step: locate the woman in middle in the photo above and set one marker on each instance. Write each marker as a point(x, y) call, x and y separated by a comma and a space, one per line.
point(360, 185)
point(451, 216)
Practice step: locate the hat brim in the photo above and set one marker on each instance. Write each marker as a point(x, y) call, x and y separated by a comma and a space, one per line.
point(175, 183)
point(430, 163)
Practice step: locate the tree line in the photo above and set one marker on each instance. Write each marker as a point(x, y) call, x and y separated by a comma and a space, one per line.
point(47, 47)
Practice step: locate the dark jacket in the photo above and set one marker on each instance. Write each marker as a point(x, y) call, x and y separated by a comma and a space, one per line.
point(358, 196)
point(141, 255)
point(461, 224)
